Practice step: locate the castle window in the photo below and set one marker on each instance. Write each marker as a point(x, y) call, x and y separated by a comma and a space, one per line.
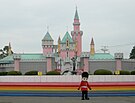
point(67, 44)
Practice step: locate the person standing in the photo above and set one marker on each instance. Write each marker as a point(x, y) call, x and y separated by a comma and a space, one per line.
point(84, 85)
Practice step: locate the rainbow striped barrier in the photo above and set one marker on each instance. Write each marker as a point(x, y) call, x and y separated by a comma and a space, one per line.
point(66, 89)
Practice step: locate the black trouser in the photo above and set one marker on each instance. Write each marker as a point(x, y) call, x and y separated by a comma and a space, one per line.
point(85, 94)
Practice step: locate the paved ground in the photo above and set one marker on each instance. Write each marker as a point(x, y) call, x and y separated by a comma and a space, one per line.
point(66, 100)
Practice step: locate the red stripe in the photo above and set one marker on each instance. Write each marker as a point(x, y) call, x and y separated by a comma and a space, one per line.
point(72, 84)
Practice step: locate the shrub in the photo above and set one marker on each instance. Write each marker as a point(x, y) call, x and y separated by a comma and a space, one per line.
point(123, 72)
point(53, 73)
point(132, 72)
point(32, 73)
point(14, 73)
point(3, 73)
point(102, 72)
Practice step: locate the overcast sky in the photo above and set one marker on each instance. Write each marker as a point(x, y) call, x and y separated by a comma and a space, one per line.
point(110, 22)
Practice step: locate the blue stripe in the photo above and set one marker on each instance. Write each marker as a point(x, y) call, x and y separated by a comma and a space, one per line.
point(67, 94)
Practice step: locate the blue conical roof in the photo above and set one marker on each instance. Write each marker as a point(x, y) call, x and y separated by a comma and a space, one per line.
point(76, 15)
point(47, 37)
point(67, 36)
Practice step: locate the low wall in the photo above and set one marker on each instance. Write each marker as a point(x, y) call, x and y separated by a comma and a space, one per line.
point(68, 78)
point(59, 86)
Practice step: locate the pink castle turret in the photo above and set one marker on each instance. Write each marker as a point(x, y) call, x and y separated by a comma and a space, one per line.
point(77, 34)
point(47, 44)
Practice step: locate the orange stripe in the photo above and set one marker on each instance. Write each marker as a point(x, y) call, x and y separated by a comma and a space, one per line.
point(65, 88)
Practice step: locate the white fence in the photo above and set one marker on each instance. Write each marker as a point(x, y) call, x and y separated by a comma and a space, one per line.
point(68, 78)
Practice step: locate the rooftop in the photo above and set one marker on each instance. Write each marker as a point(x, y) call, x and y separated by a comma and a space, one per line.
point(24, 56)
point(48, 37)
point(100, 56)
point(67, 37)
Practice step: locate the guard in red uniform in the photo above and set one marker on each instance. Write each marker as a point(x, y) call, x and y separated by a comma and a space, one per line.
point(84, 85)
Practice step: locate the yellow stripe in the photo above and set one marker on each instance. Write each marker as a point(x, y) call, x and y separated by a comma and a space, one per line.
point(65, 88)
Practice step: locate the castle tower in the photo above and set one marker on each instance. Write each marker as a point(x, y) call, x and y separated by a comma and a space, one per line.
point(17, 59)
point(77, 34)
point(118, 58)
point(47, 44)
point(68, 47)
point(92, 47)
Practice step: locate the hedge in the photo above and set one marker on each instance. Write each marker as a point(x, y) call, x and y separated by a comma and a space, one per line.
point(123, 72)
point(3, 73)
point(53, 73)
point(132, 72)
point(102, 72)
point(14, 73)
point(31, 73)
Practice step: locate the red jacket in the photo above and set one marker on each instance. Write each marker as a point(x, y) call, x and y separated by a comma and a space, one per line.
point(84, 85)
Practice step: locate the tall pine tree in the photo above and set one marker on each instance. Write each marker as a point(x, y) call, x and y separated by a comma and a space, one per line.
point(132, 54)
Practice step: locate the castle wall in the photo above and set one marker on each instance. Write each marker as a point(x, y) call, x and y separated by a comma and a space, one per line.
point(93, 65)
point(49, 64)
point(9, 69)
point(128, 65)
point(64, 54)
point(69, 79)
point(101, 64)
point(26, 66)
point(6, 67)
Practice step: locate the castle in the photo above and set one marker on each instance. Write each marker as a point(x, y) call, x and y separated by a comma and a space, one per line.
point(67, 55)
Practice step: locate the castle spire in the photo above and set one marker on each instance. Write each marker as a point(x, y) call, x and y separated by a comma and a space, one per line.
point(76, 15)
point(92, 41)
point(92, 47)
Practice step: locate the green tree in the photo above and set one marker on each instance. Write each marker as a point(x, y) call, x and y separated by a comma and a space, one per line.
point(132, 54)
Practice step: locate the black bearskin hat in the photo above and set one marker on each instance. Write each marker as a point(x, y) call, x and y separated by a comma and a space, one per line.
point(85, 74)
